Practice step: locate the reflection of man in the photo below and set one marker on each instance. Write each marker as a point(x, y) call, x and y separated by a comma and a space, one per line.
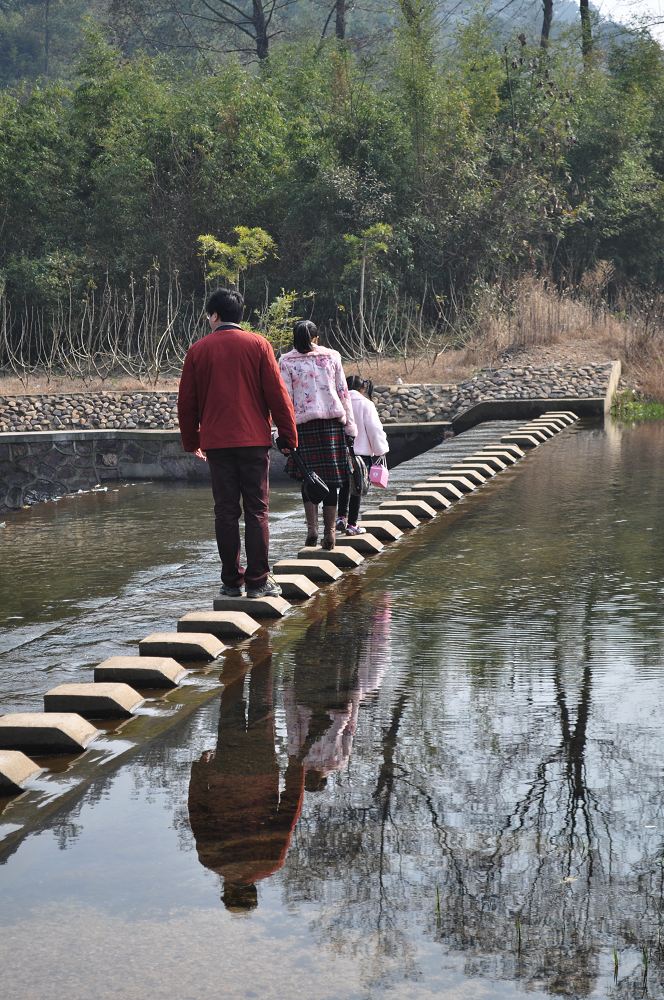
point(241, 823)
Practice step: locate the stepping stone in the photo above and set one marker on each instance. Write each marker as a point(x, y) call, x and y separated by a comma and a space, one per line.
point(15, 771)
point(477, 466)
point(100, 700)
point(419, 508)
point(385, 531)
point(368, 544)
point(493, 461)
point(506, 457)
point(510, 449)
point(296, 586)
point(318, 570)
point(229, 624)
point(436, 500)
point(448, 490)
point(559, 425)
point(462, 483)
point(179, 646)
point(344, 558)
point(566, 415)
point(475, 476)
point(541, 433)
point(241, 612)
point(398, 516)
point(45, 732)
point(523, 440)
point(144, 671)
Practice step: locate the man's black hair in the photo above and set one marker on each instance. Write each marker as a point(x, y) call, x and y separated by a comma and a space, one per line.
point(227, 303)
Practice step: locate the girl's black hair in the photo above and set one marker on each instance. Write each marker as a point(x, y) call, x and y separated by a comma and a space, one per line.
point(304, 332)
point(360, 384)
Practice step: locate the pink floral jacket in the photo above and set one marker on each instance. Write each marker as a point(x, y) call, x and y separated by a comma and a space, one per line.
point(317, 385)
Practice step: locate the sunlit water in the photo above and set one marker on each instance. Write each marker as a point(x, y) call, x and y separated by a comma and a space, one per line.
point(441, 779)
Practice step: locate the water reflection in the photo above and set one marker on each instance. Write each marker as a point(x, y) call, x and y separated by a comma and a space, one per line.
point(242, 811)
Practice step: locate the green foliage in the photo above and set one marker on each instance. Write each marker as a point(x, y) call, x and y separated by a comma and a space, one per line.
point(630, 408)
point(226, 261)
point(431, 173)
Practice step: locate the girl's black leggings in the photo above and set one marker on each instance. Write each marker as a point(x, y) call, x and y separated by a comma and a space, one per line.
point(349, 503)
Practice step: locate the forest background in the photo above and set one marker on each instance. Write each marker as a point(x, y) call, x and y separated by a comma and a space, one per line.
point(418, 176)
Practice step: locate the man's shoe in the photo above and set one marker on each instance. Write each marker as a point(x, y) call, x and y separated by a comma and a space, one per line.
point(226, 591)
point(269, 589)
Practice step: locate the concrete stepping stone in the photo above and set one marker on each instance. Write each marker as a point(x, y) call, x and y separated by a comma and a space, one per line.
point(296, 586)
point(16, 769)
point(476, 465)
point(566, 415)
point(249, 608)
point(180, 646)
point(560, 425)
point(341, 556)
point(367, 544)
point(384, 531)
point(462, 483)
point(540, 433)
point(144, 671)
point(544, 429)
point(523, 440)
point(46, 732)
point(510, 449)
point(318, 570)
point(475, 476)
point(496, 463)
point(98, 700)
point(419, 508)
point(448, 490)
point(436, 500)
point(506, 457)
point(400, 517)
point(226, 624)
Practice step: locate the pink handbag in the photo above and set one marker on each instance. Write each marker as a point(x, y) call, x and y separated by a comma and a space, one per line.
point(379, 474)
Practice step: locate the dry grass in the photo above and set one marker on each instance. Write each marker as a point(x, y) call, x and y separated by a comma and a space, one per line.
point(538, 323)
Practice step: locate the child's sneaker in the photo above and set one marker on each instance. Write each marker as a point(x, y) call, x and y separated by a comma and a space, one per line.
point(341, 523)
point(355, 529)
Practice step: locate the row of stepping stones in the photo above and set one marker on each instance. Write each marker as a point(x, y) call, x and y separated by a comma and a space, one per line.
point(64, 727)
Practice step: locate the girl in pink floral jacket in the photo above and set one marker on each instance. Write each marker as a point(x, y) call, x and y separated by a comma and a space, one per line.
point(315, 380)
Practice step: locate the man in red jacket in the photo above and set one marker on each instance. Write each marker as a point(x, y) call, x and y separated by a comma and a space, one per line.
point(230, 385)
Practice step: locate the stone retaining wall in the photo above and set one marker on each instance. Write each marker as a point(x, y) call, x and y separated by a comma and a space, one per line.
point(153, 410)
point(529, 382)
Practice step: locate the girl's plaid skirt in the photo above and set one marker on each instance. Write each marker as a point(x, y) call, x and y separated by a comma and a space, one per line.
point(322, 446)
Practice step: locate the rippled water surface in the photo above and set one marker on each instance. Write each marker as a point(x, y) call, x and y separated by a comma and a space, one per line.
point(442, 778)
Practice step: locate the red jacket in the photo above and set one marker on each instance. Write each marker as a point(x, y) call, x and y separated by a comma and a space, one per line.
point(229, 386)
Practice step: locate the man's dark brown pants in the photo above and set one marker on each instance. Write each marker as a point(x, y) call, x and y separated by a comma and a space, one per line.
point(241, 473)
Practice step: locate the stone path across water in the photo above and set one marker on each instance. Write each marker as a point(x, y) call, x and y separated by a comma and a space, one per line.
point(44, 733)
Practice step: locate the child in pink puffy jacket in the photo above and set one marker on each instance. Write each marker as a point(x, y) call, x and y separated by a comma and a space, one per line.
point(371, 442)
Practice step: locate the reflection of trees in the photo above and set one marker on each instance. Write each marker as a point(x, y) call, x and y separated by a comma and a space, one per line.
point(509, 778)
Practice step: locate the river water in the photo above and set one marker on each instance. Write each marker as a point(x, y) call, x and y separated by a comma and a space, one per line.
point(442, 778)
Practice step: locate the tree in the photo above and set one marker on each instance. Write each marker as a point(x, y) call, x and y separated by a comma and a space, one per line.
point(227, 261)
point(586, 29)
point(547, 18)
